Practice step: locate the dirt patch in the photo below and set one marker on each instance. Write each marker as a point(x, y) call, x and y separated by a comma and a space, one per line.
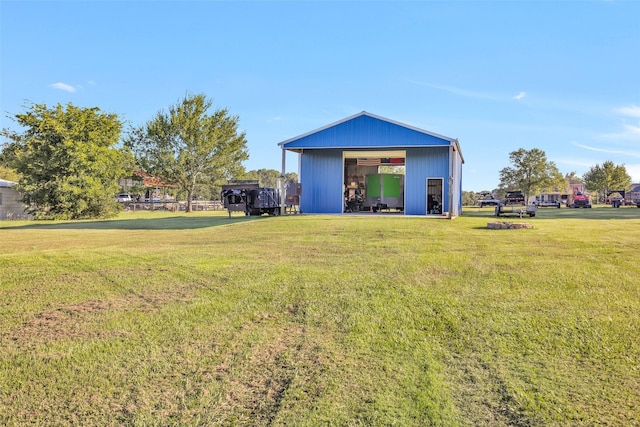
point(256, 389)
point(483, 396)
point(74, 321)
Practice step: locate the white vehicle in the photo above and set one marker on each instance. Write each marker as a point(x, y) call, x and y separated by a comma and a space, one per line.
point(487, 199)
point(123, 197)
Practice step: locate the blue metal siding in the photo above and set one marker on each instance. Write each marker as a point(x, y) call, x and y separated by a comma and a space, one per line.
point(321, 175)
point(365, 131)
point(423, 163)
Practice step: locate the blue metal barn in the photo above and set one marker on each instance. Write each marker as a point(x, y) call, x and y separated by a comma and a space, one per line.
point(335, 161)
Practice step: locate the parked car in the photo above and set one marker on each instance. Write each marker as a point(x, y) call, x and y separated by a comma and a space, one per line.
point(123, 197)
point(487, 199)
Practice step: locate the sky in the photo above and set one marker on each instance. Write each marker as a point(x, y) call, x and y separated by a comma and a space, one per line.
point(560, 76)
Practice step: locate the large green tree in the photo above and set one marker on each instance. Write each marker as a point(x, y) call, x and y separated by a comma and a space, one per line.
point(269, 177)
point(606, 177)
point(189, 146)
point(68, 161)
point(530, 172)
point(469, 198)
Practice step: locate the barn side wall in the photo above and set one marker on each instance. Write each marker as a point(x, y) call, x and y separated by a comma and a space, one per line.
point(423, 163)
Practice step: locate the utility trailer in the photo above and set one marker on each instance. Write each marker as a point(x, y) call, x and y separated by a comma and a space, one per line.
point(384, 191)
point(520, 211)
point(548, 204)
point(250, 198)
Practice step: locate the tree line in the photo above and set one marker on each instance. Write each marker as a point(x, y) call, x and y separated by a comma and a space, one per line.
point(532, 173)
point(67, 160)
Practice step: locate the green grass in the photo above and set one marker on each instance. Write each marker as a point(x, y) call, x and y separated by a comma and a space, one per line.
point(174, 319)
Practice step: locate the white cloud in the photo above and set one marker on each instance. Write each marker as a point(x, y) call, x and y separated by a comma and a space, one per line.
point(467, 93)
point(631, 111)
point(460, 92)
point(629, 132)
point(580, 163)
point(63, 86)
point(607, 150)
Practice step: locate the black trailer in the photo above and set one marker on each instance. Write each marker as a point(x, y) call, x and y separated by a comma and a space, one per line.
point(514, 198)
point(250, 198)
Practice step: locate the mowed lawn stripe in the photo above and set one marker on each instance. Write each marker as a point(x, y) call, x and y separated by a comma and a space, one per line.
point(163, 318)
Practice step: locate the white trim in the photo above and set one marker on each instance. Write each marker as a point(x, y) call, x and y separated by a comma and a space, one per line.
point(7, 184)
point(364, 147)
point(373, 154)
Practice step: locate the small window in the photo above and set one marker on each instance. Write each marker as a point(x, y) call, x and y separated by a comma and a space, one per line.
point(0, 199)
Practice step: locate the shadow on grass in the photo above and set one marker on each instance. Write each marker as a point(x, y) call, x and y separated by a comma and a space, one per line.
point(166, 223)
point(596, 213)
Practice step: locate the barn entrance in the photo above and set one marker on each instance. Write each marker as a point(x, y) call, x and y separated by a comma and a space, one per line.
point(435, 196)
point(374, 181)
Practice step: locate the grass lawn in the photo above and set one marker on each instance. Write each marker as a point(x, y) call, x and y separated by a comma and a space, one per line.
point(175, 319)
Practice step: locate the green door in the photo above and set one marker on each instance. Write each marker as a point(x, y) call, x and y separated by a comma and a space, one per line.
point(373, 186)
point(391, 185)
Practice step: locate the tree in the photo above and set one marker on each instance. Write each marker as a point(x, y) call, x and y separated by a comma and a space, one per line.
point(8, 174)
point(530, 173)
point(573, 176)
point(269, 177)
point(469, 198)
point(67, 160)
point(187, 147)
point(607, 177)
point(266, 177)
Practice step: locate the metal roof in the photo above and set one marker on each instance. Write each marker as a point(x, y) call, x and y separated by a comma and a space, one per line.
point(7, 184)
point(446, 141)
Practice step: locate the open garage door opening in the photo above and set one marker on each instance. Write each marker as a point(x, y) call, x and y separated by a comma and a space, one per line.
point(374, 181)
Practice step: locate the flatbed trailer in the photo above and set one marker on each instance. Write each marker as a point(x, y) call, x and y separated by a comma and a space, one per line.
point(548, 204)
point(520, 211)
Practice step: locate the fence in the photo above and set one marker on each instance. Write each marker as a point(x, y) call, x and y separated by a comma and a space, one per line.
point(196, 205)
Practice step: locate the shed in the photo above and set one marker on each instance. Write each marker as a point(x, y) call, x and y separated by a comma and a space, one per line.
point(359, 156)
point(11, 206)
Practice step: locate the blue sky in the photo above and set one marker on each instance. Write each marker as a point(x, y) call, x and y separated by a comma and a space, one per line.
point(561, 76)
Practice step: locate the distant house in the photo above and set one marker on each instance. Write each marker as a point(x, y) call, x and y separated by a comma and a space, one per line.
point(633, 195)
point(11, 206)
point(154, 188)
point(563, 195)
